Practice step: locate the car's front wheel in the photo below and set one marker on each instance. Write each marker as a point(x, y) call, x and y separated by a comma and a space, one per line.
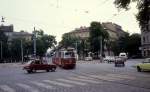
point(29, 71)
point(138, 69)
point(53, 69)
point(47, 70)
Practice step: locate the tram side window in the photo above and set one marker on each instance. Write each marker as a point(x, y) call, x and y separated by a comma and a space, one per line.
point(55, 54)
point(62, 55)
point(59, 54)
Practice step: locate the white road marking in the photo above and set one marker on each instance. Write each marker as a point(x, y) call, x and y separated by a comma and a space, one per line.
point(42, 85)
point(85, 77)
point(73, 82)
point(121, 76)
point(7, 88)
point(58, 83)
point(105, 77)
point(25, 86)
point(85, 80)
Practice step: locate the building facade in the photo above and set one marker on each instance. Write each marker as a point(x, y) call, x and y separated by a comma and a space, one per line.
point(9, 32)
point(145, 41)
point(82, 32)
point(114, 30)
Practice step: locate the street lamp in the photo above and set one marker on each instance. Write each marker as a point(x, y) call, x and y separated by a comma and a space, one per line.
point(34, 42)
point(101, 48)
point(21, 52)
point(1, 50)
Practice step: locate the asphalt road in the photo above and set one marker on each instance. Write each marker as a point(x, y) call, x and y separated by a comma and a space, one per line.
point(89, 76)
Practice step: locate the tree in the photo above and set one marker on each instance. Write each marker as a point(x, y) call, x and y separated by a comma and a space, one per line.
point(3, 43)
point(121, 44)
point(44, 42)
point(15, 49)
point(133, 45)
point(96, 32)
point(69, 41)
point(143, 6)
point(128, 43)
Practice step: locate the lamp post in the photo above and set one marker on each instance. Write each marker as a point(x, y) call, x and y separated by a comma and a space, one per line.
point(34, 42)
point(101, 44)
point(21, 52)
point(1, 50)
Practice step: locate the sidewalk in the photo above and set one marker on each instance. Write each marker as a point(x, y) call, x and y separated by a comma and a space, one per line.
point(11, 64)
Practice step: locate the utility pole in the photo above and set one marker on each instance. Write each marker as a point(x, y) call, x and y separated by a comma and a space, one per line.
point(101, 44)
point(34, 42)
point(1, 50)
point(21, 52)
point(76, 46)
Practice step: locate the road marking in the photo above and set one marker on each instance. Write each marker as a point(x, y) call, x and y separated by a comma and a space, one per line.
point(85, 80)
point(42, 85)
point(29, 88)
point(85, 77)
point(121, 76)
point(70, 81)
point(7, 88)
point(105, 77)
point(58, 83)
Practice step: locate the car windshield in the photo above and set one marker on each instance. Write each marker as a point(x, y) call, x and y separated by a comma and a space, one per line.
point(146, 61)
point(28, 63)
point(122, 55)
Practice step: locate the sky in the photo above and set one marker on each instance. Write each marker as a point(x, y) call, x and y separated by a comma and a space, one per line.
point(57, 17)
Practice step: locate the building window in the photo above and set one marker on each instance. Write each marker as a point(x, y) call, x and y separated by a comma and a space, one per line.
point(147, 38)
point(148, 53)
point(144, 53)
point(143, 39)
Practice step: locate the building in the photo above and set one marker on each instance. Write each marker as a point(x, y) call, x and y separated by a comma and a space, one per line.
point(145, 41)
point(9, 32)
point(114, 30)
point(7, 29)
point(82, 32)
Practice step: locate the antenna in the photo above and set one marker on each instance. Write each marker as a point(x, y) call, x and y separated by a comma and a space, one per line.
point(3, 19)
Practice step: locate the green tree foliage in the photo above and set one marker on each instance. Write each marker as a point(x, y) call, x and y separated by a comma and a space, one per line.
point(3, 40)
point(15, 49)
point(129, 44)
point(82, 45)
point(44, 42)
point(133, 44)
point(69, 41)
point(121, 44)
point(96, 32)
point(143, 6)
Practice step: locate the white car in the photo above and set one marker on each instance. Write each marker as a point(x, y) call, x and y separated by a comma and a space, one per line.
point(109, 59)
point(88, 58)
point(123, 55)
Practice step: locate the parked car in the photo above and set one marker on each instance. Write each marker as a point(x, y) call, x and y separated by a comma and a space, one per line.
point(109, 59)
point(88, 58)
point(144, 66)
point(34, 65)
point(119, 61)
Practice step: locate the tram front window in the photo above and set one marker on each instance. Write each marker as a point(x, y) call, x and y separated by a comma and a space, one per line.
point(69, 54)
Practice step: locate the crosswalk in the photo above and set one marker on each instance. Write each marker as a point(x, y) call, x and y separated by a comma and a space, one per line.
point(89, 62)
point(68, 82)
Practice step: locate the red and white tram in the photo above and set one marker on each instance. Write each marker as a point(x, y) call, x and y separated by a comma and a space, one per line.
point(65, 58)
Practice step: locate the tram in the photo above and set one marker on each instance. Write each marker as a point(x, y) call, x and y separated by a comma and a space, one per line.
point(65, 58)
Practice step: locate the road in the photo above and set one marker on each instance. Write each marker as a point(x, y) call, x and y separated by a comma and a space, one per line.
point(89, 76)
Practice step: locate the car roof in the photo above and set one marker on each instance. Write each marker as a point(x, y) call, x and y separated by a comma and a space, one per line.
point(147, 58)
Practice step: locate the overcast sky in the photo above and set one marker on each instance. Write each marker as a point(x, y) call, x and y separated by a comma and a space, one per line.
point(56, 17)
